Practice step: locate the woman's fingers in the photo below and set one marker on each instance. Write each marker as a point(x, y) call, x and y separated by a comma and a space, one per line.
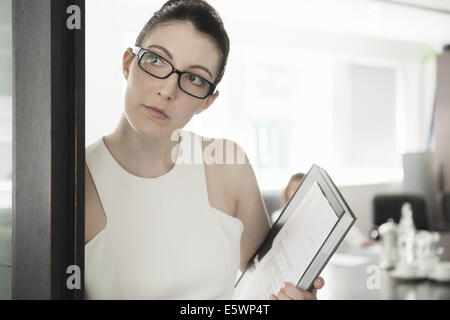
point(291, 292)
point(319, 283)
point(294, 293)
point(283, 295)
point(314, 293)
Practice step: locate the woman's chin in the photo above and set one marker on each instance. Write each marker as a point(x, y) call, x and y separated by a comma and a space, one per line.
point(148, 129)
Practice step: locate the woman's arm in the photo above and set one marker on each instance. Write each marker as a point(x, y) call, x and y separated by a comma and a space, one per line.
point(250, 208)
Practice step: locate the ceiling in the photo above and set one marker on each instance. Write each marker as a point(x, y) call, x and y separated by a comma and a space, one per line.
point(434, 5)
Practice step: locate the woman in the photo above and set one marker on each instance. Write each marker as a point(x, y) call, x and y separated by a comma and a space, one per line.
point(158, 227)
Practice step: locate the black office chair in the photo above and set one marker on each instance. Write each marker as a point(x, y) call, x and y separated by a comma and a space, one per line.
point(389, 206)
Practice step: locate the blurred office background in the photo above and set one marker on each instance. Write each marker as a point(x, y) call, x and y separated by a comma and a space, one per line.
point(349, 85)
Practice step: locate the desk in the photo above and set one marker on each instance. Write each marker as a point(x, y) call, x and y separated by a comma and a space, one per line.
point(351, 282)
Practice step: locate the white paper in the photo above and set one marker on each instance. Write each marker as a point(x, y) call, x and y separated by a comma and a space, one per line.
point(293, 248)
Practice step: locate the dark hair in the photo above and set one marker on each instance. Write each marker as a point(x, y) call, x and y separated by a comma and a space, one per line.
point(204, 18)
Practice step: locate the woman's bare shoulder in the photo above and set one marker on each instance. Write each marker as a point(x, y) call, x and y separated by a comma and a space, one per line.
point(224, 152)
point(226, 159)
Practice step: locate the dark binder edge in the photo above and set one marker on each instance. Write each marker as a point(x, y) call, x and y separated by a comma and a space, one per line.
point(321, 247)
point(335, 188)
point(346, 210)
point(329, 256)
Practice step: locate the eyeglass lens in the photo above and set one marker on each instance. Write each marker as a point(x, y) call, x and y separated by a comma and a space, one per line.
point(161, 68)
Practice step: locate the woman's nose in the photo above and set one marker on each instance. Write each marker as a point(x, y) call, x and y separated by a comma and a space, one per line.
point(169, 87)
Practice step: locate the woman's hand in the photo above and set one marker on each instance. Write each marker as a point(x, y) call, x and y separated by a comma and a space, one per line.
point(291, 292)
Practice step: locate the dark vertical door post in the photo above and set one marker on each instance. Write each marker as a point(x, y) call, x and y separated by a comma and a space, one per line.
point(48, 149)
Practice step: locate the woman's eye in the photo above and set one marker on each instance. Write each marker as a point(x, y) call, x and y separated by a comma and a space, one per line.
point(153, 59)
point(195, 79)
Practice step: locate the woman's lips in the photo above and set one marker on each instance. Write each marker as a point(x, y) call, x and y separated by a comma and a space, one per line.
point(157, 113)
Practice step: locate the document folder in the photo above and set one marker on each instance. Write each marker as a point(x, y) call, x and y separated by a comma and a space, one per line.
point(301, 242)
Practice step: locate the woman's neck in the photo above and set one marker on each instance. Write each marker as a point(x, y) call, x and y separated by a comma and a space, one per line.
point(146, 157)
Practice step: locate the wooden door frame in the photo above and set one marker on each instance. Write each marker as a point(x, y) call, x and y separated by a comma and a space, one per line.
point(48, 149)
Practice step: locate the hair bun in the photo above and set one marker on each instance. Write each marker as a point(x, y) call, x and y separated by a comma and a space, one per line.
point(201, 3)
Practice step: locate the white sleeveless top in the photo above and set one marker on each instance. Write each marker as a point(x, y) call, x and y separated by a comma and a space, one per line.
point(163, 240)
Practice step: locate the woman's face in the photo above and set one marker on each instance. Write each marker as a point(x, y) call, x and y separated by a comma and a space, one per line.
point(187, 50)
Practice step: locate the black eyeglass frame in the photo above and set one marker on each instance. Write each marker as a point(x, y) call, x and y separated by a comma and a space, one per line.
point(139, 52)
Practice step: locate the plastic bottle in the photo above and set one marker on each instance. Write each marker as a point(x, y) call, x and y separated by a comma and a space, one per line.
point(406, 224)
point(406, 235)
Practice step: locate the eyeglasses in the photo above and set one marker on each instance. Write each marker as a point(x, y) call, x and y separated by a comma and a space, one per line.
point(160, 68)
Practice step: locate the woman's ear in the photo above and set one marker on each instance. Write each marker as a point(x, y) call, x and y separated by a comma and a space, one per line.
point(126, 62)
point(209, 101)
point(212, 98)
